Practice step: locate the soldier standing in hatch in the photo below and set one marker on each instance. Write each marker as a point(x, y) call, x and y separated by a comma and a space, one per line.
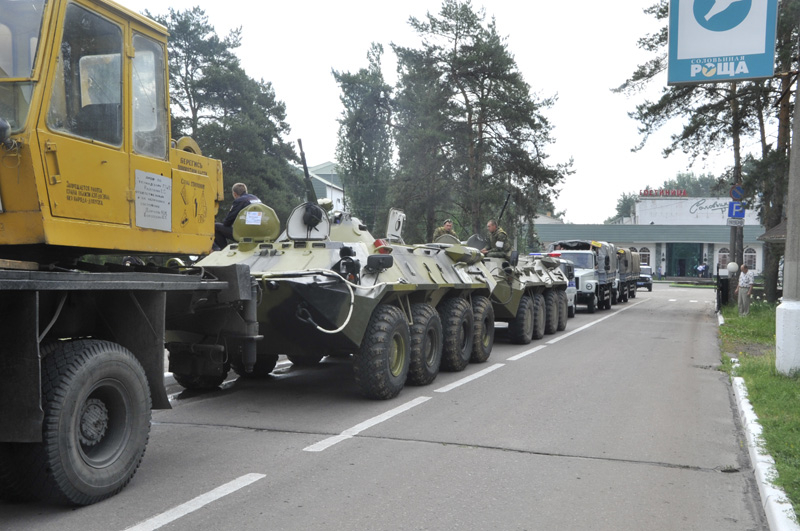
point(499, 245)
point(224, 231)
point(447, 228)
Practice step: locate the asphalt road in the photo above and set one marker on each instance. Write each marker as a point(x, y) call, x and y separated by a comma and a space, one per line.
point(622, 422)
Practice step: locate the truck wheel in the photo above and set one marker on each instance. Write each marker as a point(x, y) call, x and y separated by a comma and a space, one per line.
point(591, 307)
point(550, 311)
point(650, 287)
point(96, 423)
point(381, 365)
point(538, 316)
point(457, 322)
point(563, 310)
point(571, 310)
point(483, 341)
point(614, 298)
point(520, 330)
point(426, 345)
point(304, 360)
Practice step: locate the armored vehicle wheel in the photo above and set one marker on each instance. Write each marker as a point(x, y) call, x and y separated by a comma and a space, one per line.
point(591, 307)
point(563, 310)
point(538, 316)
point(457, 322)
point(520, 330)
point(265, 364)
point(483, 340)
point(96, 423)
point(305, 359)
point(550, 311)
point(426, 345)
point(381, 365)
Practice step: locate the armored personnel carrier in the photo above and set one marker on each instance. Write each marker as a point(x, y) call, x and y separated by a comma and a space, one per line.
point(530, 294)
point(328, 287)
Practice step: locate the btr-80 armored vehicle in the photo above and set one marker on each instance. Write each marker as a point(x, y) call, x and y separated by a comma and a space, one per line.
point(530, 294)
point(328, 287)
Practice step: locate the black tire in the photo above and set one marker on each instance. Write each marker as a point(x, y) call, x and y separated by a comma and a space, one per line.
point(539, 317)
point(381, 365)
point(520, 330)
point(650, 287)
point(457, 324)
point(591, 306)
point(96, 423)
point(483, 340)
point(614, 297)
point(571, 309)
point(550, 311)
point(563, 310)
point(305, 359)
point(426, 345)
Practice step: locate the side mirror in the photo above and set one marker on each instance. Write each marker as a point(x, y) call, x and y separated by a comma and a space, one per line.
point(379, 262)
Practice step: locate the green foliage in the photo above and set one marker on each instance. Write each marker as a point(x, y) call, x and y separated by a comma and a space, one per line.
point(364, 148)
point(468, 129)
point(233, 117)
point(775, 398)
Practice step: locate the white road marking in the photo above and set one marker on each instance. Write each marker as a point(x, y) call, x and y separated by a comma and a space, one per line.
point(469, 378)
point(195, 504)
point(523, 354)
point(358, 428)
point(584, 327)
point(673, 300)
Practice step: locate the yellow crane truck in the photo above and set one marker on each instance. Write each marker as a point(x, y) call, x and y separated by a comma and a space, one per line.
point(87, 167)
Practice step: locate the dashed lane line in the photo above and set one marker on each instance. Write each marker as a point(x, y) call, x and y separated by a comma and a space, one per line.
point(199, 502)
point(469, 378)
point(358, 428)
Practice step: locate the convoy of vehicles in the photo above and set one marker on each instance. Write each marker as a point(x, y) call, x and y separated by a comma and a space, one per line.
point(88, 169)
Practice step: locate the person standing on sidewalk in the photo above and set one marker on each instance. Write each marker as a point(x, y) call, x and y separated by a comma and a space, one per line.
point(745, 289)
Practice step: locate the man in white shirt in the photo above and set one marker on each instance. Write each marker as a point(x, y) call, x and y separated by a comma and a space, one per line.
point(744, 289)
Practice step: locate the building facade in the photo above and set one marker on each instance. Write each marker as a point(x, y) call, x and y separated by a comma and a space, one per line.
point(676, 234)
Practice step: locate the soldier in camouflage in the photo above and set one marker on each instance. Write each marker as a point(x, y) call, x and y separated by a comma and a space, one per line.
point(498, 246)
point(447, 228)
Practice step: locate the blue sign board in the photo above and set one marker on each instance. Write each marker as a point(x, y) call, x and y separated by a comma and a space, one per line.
point(737, 192)
point(735, 209)
point(712, 41)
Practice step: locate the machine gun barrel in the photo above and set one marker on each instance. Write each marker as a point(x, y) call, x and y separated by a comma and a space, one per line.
point(311, 195)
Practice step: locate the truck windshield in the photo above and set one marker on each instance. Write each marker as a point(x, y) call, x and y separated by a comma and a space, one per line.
point(20, 24)
point(581, 260)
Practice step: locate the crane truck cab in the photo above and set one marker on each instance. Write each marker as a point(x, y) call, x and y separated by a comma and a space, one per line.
point(87, 161)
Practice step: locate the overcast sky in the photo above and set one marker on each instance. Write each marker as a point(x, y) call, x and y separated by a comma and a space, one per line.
point(577, 50)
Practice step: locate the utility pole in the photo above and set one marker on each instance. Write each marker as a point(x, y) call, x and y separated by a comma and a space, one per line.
point(787, 325)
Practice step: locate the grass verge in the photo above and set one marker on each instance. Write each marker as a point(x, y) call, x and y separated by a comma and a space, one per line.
point(775, 397)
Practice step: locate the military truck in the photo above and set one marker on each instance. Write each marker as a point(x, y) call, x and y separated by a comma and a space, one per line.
point(594, 276)
point(86, 168)
point(628, 268)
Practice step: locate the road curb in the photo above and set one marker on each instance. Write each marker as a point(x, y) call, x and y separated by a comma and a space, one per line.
point(780, 515)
